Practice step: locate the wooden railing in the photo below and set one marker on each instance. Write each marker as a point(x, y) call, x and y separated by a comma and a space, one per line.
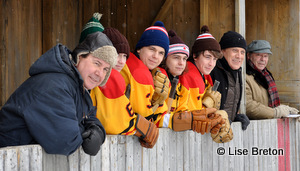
point(265, 145)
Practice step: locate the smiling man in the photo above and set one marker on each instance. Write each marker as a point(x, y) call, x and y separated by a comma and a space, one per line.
point(261, 91)
point(53, 107)
point(229, 72)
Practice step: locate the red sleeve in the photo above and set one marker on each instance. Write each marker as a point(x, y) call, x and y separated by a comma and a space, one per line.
point(115, 86)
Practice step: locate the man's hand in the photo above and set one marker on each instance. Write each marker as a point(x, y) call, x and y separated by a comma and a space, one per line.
point(161, 87)
point(212, 99)
point(92, 139)
point(225, 134)
point(146, 131)
point(200, 121)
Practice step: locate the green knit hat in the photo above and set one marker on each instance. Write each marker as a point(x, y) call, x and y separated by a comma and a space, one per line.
point(92, 26)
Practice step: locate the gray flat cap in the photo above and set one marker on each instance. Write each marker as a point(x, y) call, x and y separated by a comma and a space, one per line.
point(259, 46)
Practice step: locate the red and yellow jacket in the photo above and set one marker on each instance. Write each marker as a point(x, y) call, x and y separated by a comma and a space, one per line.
point(197, 85)
point(180, 103)
point(113, 108)
point(136, 73)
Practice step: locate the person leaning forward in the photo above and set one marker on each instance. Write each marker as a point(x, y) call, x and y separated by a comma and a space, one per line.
point(53, 107)
point(228, 72)
point(261, 92)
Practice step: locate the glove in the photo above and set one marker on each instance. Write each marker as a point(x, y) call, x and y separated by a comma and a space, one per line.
point(225, 134)
point(244, 119)
point(92, 139)
point(161, 86)
point(281, 111)
point(293, 110)
point(200, 121)
point(212, 99)
point(146, 131)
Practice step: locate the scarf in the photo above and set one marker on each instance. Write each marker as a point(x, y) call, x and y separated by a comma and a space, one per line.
point(272, 89)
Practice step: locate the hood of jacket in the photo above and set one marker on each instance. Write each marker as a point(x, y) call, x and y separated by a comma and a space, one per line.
point(55, 60)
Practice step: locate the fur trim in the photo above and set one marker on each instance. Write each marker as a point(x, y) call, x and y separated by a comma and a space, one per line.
point(108, 54)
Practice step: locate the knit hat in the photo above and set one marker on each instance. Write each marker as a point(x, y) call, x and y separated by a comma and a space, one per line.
point(119, 40)
point(205, 41)
point(92, 26)
point(176, 44)
point(99, 45)
point(155, 35)
point(259, 46)
point(232, 39)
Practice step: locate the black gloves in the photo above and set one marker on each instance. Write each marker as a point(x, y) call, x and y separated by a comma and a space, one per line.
point(92, 139)
point(244, 119)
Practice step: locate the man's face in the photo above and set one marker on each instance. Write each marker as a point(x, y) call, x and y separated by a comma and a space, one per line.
point(92, 70)
point(260, 60)
point(151, 56)
point(234, 56)
point(205, 62)
point(122, 57)
point(176, 63)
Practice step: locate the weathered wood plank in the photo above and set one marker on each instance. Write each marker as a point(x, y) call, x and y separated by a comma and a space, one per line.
point(105, 163)
point(129, 152)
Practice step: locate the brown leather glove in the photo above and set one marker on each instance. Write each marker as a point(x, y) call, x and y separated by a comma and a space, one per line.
point(161, 87)
point(212, 99)
point(200, 121)
point(225, 134)
point(146, 131)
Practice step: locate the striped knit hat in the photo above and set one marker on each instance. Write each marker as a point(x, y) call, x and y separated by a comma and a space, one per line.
point(176, 44)
point(154, 35)
point(92, 26)
point(205, 41)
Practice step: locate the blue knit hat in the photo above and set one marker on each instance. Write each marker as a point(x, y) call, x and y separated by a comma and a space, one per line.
point(155, 35)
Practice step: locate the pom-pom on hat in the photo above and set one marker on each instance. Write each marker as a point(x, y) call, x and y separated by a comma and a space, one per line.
point(119, 40)
point(155, 35)
point(176, 44)
point(93, 25)
point(205, 41)
point(232, 39)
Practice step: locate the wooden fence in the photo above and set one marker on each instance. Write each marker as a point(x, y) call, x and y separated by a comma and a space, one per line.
point(265, 145)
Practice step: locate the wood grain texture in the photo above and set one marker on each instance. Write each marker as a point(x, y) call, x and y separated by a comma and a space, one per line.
point(193, 151)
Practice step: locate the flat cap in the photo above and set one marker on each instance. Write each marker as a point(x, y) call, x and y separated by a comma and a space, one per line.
point(259, 46)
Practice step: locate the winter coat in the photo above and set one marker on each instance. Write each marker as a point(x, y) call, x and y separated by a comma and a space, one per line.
point(219, 73)
point(50, 108)
point(257, 97)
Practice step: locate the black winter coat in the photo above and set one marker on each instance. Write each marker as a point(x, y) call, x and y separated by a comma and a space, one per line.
point(218, 73)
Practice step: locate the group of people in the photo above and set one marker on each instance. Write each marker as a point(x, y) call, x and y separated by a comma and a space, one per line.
point(74, 98)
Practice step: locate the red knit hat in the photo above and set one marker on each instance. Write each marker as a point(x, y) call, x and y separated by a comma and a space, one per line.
point(119, 40)
point(205, 41)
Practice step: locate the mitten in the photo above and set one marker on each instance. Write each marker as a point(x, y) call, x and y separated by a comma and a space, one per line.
point(243, 119)
point(225, 134)
point(212, 99)
point(146, 131)
point(200, 121)
point(92, 139)
point(281, 111)
point(161, 87)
